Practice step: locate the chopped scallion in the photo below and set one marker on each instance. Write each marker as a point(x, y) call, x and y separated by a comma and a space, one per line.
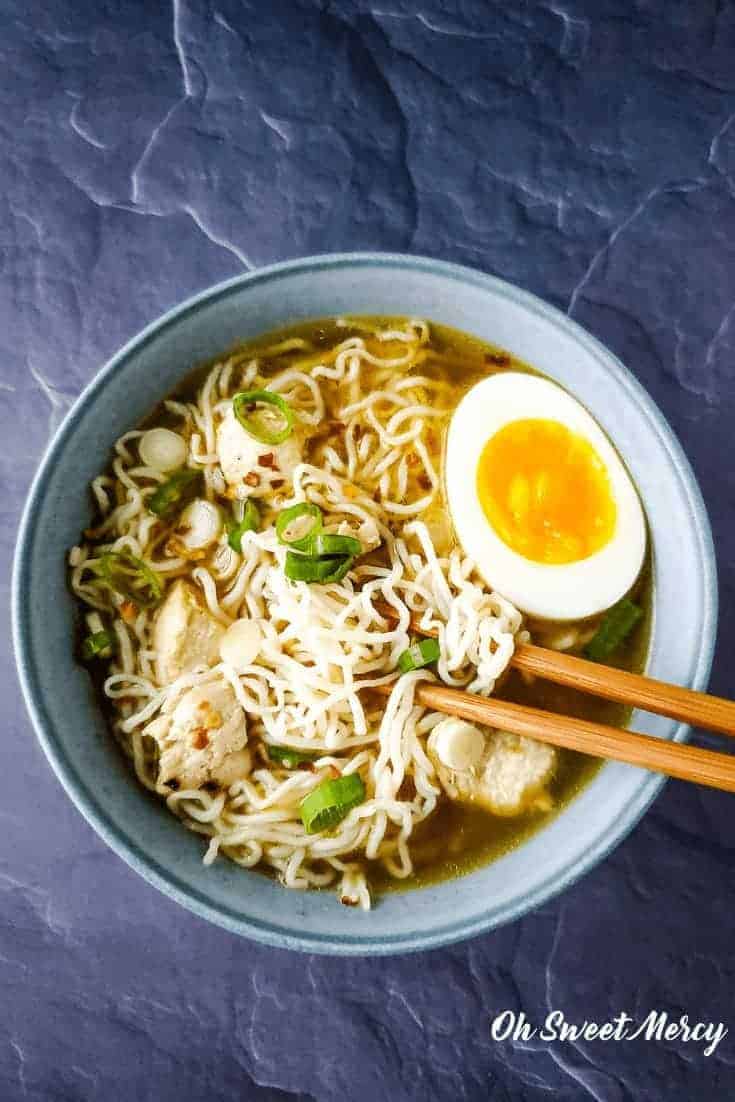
point(615, 628)
point(418, 655)
point(289, 756)
point(264, 429)
point(301, 568)
point(331, 801)
point(130, 577)
point(250, 523)
point(313, 555)
point(100, 644)
point(294, 512)
point(176, 492)
point(325, 543)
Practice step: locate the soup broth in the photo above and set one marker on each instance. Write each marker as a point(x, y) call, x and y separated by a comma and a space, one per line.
point(455, 837)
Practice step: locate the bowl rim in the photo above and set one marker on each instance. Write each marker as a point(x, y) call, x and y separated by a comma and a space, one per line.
point(166, 881)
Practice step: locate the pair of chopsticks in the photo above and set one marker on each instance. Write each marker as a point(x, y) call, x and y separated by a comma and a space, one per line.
point(687, 763)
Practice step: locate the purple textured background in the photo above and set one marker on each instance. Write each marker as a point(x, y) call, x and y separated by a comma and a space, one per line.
point(585, 151)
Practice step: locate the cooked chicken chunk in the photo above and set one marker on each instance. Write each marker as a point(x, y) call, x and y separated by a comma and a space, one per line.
point(516, 772)
point(503, 773)
point(241, 455)
point(199, 739)
point(233, 767)
point(185, 633)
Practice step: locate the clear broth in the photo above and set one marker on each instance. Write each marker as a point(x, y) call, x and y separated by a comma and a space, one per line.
point(456, 838)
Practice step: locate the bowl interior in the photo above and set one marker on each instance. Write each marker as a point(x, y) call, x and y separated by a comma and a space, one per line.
point(60, 695)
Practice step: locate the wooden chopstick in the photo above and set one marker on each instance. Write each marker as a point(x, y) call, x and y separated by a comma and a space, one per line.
point(714, 713)
point(711, 712)
point(687, 763)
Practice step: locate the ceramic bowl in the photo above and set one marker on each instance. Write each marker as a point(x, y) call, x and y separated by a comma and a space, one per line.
point(59, 693)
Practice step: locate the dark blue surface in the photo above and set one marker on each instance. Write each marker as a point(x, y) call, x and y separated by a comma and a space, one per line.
point(585, 151)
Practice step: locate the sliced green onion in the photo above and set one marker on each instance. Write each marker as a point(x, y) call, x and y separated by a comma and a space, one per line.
point(130, 577)
point(264, 432)
point(250, 523)
point(315, 556)
point(330, 801)
point(614, 630)
point(301, 568)
point(325, 543)
point(175, 492)
point(288, 756)
point(100, 644)
point(287, 516)
point(419, 655)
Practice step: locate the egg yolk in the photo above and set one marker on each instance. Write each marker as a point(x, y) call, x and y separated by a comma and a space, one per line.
point(546, 492)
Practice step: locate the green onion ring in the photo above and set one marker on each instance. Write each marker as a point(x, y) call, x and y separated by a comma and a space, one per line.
point(301, 568)
point(97, 643)
point(250, 523)
point(328, 803)
point(419, 655)
point(615, 628)
point(177, 491)
point(257, 430)
point(289, 756)
point(119, 570)
point(326, 544)
point(287, 516)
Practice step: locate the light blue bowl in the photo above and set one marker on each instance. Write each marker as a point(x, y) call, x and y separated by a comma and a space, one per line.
point(60, 696)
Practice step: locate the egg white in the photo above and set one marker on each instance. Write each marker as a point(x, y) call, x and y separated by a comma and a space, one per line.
point(563, 591)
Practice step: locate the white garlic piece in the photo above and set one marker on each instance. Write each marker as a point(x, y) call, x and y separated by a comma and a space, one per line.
point(457, 744)
point(162, 449)
point(199, 525)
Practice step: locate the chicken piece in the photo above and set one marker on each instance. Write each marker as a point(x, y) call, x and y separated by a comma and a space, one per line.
point(233, 767)
point(500, 772)
point(199, 739)
point(185, 634)
point(517, 770)
point(198, 527)
point(241, 455)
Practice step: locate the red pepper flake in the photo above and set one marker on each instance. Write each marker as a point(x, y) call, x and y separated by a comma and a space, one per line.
point(252, 479)
point(334, 771)
point(200, 740)
point(128, 612)
point(424, 481)
point(277, 482)
point(348, 902)
point(267, 460)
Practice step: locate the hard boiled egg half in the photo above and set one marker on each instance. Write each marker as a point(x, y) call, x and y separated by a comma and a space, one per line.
point(540, 499)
